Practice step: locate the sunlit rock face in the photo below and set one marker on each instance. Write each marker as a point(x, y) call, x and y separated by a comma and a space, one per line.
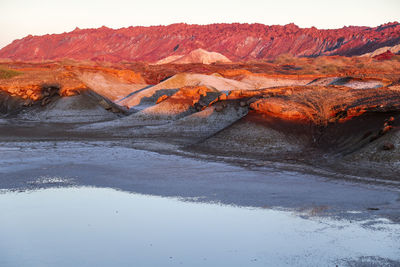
point(232, 42)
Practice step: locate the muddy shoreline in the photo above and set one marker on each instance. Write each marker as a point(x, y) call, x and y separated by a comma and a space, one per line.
point(113, 164)
point(326, 157)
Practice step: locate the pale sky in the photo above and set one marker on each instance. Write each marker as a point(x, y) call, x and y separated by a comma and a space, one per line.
point(19, 18)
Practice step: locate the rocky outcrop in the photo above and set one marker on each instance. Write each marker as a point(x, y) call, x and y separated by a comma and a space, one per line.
point(170, 86)
point(324, 105)
point(196, 56)
point(385, 56)
point(85, 107)
point(185, 101)
point(238, 42)
point(394, 49)
point(10, 104)
point(33, 84)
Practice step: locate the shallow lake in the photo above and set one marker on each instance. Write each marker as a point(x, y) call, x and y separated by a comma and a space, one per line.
point(106, 204)
point(87, 226)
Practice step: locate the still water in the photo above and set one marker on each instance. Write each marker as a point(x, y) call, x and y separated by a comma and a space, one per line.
point(88, 226)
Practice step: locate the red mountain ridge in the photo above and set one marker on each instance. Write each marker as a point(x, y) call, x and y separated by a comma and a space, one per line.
point(238, 42)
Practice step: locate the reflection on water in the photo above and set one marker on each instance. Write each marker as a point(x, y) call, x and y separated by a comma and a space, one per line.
point(104, 227)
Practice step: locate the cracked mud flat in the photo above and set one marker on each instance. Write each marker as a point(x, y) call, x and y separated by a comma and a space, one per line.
point(106, 202)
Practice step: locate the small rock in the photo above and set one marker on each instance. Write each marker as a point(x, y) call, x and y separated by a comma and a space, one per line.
point(161, 99)
point(105, 105)
point(243, 103)
point(29, 92)
point(202, 102)
point(28, 103)
point(45, 101)
point(386, 129)
point(198, 106)
point(388, 146)
point(251, 100)
point(219, 108)
point(223, 97)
